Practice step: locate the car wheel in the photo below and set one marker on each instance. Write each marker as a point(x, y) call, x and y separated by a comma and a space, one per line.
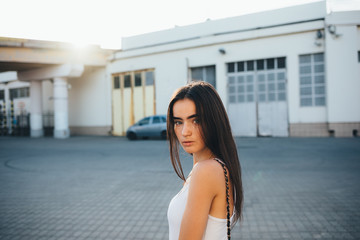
point(163, 134)
point(131, 136)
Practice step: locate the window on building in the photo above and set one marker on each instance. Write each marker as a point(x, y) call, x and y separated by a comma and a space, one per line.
point(2, 95)
point(127, 81)
point(312, 80)
point(231, 67)
point(137, 79)
point(207, 74)
point(281, 62)
point(260, 64)
point(240, 66)
point(149, 78)
point(358, 56)
point(261, 80)
point(231, 90)
point(250, 66)
point(270, 63)
point(133, 79)
point(116, 82)
point(19, 92)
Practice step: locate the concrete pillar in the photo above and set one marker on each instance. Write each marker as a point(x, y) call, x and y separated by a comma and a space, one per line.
point(61, 119)
point(36, 123)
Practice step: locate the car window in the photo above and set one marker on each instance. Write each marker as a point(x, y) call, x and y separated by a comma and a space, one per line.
point(156, 120)
point(163, 119)
point(144, 121)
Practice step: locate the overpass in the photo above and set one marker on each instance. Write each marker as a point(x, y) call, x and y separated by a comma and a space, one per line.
point(34, 61)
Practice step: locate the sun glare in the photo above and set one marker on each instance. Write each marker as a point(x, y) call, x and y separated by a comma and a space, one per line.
point(80, 46)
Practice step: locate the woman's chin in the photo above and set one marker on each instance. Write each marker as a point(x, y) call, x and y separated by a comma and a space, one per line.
point(188, 151)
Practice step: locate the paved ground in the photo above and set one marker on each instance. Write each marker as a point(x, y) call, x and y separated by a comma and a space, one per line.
point(110, 188)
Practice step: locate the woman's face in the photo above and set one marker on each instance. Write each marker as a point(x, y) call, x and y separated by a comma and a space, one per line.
point(187, 127)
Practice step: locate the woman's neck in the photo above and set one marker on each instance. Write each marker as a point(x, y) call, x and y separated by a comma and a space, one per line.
point(201, 156)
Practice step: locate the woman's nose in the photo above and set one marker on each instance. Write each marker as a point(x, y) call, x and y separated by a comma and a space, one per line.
point(186, 131)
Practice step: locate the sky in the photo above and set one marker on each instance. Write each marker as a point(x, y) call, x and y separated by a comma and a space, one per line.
point(106, 22)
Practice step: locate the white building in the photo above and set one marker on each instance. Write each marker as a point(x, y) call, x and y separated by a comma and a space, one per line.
point(63, 89)
point(288, 72)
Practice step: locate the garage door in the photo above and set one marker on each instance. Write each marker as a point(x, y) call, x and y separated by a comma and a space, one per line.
point(133, 98)
point(257, 103)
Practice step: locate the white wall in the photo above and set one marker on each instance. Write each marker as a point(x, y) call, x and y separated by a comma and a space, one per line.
point(47, 97)
point(343, 81)
point(171, 70)
point(89, 104)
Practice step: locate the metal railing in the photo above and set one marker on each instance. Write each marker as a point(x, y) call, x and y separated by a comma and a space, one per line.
point(12, 124)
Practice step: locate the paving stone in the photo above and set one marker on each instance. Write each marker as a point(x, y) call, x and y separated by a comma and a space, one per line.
point(112, 188)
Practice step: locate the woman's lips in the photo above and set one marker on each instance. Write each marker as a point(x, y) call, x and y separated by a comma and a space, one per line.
point(187, 143)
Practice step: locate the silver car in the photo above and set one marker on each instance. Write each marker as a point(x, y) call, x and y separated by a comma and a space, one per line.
point(152, 126)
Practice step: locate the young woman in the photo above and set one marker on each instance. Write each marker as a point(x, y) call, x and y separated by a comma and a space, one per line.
point(211, 199)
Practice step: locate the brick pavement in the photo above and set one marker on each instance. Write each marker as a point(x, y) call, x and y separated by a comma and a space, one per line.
point(111, 188)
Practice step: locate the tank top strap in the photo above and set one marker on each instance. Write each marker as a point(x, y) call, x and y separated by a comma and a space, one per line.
point(219, 161)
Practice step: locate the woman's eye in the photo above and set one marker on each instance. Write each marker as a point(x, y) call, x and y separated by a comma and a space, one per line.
point(177, 123)
point(196, 121)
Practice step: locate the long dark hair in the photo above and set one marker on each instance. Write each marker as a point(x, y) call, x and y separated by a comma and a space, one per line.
point(215, 130)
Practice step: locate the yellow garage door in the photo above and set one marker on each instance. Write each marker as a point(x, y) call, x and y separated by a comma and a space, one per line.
point(133, 98)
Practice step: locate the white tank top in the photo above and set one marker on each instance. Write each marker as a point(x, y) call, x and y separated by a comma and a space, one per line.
point(215, 229)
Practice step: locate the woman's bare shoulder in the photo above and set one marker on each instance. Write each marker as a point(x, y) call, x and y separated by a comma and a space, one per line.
point(209, 169)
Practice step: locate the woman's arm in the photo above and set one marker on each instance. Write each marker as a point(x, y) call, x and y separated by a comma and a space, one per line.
point(202, 190)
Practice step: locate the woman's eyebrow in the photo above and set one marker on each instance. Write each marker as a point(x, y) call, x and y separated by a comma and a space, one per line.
point(192, 116)
point(189, 117)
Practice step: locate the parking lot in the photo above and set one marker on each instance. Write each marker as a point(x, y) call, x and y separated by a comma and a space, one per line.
point(112, 188)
